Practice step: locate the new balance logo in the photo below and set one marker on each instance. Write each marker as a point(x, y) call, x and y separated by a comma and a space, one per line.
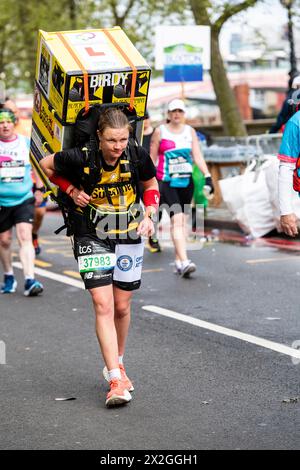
point(88, 275)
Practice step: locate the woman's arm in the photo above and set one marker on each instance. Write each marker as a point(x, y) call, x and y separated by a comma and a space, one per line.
point(288, 218)
point(197, 155)
point(78, 195)
point(150, 196)
point(151, 202)
point(47, 165)
point(38, 187)
point(154, 145)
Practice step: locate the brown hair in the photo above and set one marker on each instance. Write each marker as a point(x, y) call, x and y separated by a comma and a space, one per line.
point(113, 118)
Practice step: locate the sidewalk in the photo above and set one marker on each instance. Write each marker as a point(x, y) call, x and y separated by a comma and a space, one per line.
point(221, 218)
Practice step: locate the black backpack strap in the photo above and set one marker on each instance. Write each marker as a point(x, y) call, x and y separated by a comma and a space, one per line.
point(92, 165)
point(133, 157)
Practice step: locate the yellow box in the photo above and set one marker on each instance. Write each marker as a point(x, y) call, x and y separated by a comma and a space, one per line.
point(54, 134)
point(77, 68)
point(48, 134)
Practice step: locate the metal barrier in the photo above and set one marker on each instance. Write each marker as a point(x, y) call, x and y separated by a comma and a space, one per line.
point(237, 152)
point(241, 149)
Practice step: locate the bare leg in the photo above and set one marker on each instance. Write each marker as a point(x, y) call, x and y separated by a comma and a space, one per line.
point(178, 233)
point(122, 301)
point(103, 301)
point(39, 213)
point(27, 255)
point(5, 250)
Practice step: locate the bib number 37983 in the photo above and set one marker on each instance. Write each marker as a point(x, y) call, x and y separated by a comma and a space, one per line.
point(96, 262)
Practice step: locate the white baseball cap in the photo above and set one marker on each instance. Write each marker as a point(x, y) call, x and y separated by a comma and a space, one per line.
point(296, 82)
point(176, 104)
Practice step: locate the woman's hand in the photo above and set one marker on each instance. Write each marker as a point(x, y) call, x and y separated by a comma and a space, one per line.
point(145, 227)
point(289, 224)
point(38, 195)
point(209, 185)
point(80, 198)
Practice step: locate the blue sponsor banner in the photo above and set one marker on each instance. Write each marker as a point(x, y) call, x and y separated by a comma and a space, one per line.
point(183, 73)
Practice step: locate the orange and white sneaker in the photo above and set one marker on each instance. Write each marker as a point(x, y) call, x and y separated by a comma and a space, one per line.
point(118, 394)
point(126, 381)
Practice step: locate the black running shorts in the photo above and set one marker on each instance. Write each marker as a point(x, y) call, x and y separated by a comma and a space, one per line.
point(174, 200)
point(10, 216)
point(105, 262)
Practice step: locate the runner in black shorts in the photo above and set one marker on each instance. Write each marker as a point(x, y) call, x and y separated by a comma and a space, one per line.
point(176, 199)
point(174, 146)
point(119, 262)
point(11, 216)
point(16, 205)
point(107, 225)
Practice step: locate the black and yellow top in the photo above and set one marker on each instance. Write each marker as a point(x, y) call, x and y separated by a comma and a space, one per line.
point(113, 205)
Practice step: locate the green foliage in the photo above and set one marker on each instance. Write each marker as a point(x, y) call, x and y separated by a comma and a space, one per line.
point(19, 25)
point(20, 21)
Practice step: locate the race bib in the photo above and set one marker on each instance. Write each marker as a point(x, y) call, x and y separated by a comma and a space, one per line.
point(103, 261)
point(180, 169)
point(12, 172)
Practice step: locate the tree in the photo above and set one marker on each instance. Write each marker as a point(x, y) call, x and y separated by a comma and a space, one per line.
point(19, 25)
point(205, 14)
point(20, 21)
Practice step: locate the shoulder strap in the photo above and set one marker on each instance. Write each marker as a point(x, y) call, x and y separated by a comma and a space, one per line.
point(92, 165)
point(133, 157)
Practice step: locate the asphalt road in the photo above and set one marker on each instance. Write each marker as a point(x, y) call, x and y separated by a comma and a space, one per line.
point(195, 388)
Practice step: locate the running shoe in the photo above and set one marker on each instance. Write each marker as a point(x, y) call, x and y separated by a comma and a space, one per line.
point(188, 269)
point(118, 394)
point(177, 270)
point(153, 245)
point(9, 284)
point(36, 246)
point(126, 381)
point(32, 288)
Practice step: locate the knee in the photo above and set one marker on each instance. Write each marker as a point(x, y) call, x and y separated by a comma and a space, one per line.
point(5, 242)
point(177, 220)
point(103, 306)
point(24, 235)
point(122, 309)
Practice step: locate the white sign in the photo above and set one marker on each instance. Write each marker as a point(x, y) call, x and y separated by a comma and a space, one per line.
point(182, 38)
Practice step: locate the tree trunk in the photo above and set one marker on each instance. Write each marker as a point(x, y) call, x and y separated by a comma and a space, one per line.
point(231, 117)
point(73, 16)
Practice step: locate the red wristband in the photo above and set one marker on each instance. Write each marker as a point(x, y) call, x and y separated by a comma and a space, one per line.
point(61, 182)
point(151, 198)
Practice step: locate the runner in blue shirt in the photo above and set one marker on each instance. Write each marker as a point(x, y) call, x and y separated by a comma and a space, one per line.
point(16, 205)
point(288, 154)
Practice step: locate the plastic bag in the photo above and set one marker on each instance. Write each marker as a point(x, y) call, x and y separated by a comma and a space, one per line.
point(248, 199)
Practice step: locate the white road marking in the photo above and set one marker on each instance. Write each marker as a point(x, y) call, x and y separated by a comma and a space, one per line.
point(272, 260)
point(281, 348)
point(54, 276)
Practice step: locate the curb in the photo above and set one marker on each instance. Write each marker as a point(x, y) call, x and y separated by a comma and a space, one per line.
point(223, 224)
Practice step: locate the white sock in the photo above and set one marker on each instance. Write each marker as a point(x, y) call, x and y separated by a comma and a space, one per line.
point(9, 274)
point(178, 264)
point(121, 360)
point(114, 374)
